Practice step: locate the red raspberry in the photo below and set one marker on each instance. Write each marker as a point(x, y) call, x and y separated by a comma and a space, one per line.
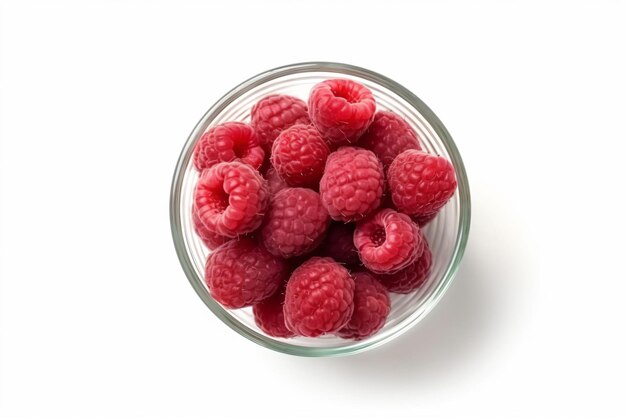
point(319, 298)
point(299, 155)
point(341, 110)
point(388, 241)
point(269, 316)
point(295, 222)
point(211, 240)
point(371, 308)
point(231, 198)
point(241, 273)
point(412, 277)
point(388, 136)
point(425, 219)
point(275, 113)
point(420, 183)
point(352, 184)
point(275, 182)
point(232, 141)
point(339, 244)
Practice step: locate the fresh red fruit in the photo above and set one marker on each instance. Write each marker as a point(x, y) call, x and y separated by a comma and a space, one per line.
point(412, 277)
point(352, 184)
point(231, 198)
point(275, 113)
point(420, 183)
point(388, 136)
point(341, 110)
point(241, 273)
point(299, 156)
point(231, 141)
point(339, 244)
point(211, 239)
point(371, 308)
point(319, 298)
point(388, 241)
point(275, 182)
point(269, 316)
point(295, 222)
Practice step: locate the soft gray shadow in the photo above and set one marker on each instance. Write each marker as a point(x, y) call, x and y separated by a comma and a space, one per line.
point(478, 313)
point(473, 325)
point(446, 338)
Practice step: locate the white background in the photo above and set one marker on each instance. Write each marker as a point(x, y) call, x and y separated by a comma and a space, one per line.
point(97, 99)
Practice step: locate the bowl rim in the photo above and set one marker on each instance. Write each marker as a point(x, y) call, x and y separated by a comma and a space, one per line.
point(343, 69)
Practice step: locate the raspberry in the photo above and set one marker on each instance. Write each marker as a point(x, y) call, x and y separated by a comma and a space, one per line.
point(232, 141)
point(339, 244)
point(352, 184)
point(341, 110)
point(241, 273)
point(274, 181)
point(231, 198)
point(420, 183)
point(211, 240)
point(388, 241)
point(269, 316)
point(412, 277)
point(371, 308)
point(295, 222)
point(319, 298)
point(423, 220)
point(275, 113)
point(388, 136)
point(299, 155)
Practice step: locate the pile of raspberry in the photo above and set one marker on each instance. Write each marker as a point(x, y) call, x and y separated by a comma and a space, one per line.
point(313, 211)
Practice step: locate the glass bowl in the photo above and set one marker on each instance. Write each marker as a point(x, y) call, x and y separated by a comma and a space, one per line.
point(447, 234)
